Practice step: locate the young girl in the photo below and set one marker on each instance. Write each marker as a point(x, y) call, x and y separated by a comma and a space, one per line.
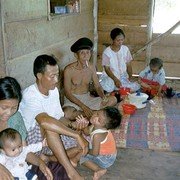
point(103, 150)
point(13, 154)
point(152, 78)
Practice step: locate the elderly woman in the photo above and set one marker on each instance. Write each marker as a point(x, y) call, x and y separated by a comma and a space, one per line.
point(10, 96)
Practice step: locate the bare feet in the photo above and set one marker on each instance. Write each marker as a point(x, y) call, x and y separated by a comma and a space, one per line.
point(99, 174)
point(75, 176)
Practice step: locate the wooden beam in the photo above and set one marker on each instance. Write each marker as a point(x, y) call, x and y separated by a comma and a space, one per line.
point(158, 38)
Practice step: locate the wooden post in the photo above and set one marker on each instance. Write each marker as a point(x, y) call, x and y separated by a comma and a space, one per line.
point(95, 14)
point(150, 31)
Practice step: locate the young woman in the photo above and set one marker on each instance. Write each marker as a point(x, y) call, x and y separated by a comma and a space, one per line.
point(116, 61)
point(10, 96)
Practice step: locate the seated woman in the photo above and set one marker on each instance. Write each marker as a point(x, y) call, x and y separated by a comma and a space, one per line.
point(10, 96)
point(152, 78)
point(116, 60)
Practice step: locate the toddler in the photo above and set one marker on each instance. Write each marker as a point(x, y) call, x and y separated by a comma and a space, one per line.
point(152, 78)
point(102, 153)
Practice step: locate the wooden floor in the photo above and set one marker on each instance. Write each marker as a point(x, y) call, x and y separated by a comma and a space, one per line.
point(133, 164)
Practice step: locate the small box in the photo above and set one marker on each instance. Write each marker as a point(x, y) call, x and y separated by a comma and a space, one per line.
point(60, 9)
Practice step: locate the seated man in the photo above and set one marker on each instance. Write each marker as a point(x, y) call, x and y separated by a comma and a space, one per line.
point(77, 78)
point(43, 116)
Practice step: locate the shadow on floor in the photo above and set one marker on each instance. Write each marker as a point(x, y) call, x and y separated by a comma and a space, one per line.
point(133, 164)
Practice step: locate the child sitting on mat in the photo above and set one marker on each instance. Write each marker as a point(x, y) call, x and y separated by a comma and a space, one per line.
point(102, 153)
point(152, 78)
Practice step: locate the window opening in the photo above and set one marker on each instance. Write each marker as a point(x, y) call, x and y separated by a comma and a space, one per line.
point(166, 14)
point(64, 6)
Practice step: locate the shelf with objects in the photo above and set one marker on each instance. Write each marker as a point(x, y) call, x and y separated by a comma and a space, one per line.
point(64, 7)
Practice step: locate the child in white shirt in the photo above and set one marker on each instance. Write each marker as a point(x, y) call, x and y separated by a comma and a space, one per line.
point(13, 154)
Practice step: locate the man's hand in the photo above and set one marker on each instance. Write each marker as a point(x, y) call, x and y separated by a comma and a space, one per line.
point(83, 144)
point(81, 122)
point(105, 100)
point(87, 111)
point(45, 170)
point(5, 174)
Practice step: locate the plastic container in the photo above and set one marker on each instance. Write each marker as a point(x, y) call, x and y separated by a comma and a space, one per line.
point(124, 90)
point(138, 99)
point(129, 108)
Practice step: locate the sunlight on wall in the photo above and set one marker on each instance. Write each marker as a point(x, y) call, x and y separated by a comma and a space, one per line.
point(166, 15)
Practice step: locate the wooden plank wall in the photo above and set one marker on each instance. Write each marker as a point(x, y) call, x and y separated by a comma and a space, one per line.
point(132, 16)
point(168, 49)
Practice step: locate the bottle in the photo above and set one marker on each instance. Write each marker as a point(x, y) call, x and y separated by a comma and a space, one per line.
point(77, 6)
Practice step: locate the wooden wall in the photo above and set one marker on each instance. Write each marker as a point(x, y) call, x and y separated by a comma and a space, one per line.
point(28, 33)
point(129, 15)
point(168, 49)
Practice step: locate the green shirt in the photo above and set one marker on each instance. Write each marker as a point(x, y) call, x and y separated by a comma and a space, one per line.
point(16, 122)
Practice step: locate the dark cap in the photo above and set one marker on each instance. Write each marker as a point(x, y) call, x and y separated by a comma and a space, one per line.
point(82, 43)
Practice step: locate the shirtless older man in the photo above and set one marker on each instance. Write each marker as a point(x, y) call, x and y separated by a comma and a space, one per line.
point(77, 77)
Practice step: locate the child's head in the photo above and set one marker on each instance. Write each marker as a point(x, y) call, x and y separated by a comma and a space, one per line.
point(109, 118)
point(155, 65)
point(10, 142)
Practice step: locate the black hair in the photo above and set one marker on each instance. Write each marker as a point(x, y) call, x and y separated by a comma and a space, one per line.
point(156, 62)
point(9, 134)
point(113, 117)
point(116, 32)
point(10, 89)
point(41, 62)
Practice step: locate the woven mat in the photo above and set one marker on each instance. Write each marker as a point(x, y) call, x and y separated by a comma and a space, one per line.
point(154, 127)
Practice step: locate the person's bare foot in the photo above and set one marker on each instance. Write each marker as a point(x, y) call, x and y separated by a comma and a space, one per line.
point(75, 176)
point(99, 174)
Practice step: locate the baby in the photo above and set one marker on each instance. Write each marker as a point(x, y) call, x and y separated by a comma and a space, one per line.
point(102, 153)
point(13, 154)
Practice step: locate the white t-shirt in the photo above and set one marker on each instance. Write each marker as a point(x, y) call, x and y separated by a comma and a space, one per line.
point(34, 103)
point(18, 165)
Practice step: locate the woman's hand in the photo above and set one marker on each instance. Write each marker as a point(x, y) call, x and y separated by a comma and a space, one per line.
point(5, 174)
point(45, 170)
point(117, 83)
